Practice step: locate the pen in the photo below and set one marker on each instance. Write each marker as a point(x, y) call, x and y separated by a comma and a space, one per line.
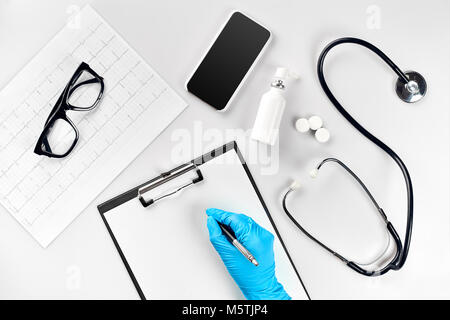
point(238, 245)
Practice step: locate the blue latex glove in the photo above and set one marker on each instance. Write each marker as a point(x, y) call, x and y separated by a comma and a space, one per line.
point(256, 282)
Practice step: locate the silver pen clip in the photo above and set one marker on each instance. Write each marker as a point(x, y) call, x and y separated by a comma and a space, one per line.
point(165, 178)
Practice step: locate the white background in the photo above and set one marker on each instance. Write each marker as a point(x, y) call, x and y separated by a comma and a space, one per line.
point(172, 36)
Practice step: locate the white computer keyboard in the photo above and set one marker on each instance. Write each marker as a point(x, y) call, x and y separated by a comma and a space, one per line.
point(46, 194)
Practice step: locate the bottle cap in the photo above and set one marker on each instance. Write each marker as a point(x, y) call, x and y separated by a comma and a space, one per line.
point(284, 73)
point(281, 73)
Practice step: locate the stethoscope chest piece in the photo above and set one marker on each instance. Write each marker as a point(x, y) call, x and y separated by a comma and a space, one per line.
point(412, 91)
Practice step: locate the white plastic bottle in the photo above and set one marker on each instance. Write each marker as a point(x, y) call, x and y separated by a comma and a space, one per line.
point(271, 108)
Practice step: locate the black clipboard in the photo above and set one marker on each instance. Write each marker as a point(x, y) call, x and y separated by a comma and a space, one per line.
point(135, 193)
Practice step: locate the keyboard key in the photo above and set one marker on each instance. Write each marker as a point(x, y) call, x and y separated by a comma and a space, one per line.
point(156, 86)
point(25, 140)
point(29, 186)
point(63, 179)
point(117, 46)
point(50, 167)
point(98, 118)
point(40, 175)
point(106, 58)
point(120, 95)
point(122, 120)
point(131, 83)
point(27, 161)
point(17, 198)
point(10, 154)
point(69, 65)
point(111, 131)
point(94, 44)
point(86, 128)
point(94, 26)
point(112, 78)
point(97, 66)
point(8, 205)
point(54, 192)
point(76, 169)
point(57, 77)
point(82, 53)
point(127, 61)
point(142, 73)
point(104, 33)
point(13, 124)
point(24, 113)
point(5, 136)
point(40, 205)
point(101, 144)
point(5, 186)
point(109, 107)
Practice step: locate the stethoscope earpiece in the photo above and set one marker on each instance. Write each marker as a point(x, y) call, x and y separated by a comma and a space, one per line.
point(294, 185)
point(313, 173)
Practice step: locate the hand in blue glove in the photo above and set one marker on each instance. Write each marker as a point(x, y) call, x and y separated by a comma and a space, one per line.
point(256, 282)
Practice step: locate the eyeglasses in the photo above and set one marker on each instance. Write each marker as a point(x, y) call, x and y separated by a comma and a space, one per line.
point(83, 93)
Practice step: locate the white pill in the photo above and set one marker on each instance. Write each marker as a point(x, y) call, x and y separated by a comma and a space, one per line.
point(322, 135)
point(315, 122)
point(302, 125)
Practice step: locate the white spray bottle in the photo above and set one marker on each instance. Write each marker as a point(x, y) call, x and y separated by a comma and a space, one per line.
point(271, 108)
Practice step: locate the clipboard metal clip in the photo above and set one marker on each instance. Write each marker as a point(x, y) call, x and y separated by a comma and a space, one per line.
point(166, 177)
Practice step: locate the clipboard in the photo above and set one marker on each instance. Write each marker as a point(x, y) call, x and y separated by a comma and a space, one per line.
point(159, 229)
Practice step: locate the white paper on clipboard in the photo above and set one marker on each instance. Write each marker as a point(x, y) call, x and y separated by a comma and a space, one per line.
point(167, 245)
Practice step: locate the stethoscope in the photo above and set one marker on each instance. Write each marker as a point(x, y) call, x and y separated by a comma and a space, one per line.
point(410, 87)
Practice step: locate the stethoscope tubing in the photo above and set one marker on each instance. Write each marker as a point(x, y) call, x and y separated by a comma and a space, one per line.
point(410, 203)
point(402, 248)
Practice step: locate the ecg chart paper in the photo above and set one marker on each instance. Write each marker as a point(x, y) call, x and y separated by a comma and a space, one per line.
point(44, 194)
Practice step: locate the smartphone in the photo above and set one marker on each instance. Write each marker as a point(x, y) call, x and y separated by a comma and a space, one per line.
point(229, 60)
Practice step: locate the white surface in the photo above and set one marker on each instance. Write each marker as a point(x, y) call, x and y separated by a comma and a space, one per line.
point(178, 261)
point(172, 35)
point(46, 194)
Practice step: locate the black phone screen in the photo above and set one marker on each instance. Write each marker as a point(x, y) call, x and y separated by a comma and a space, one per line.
point(228, 61)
